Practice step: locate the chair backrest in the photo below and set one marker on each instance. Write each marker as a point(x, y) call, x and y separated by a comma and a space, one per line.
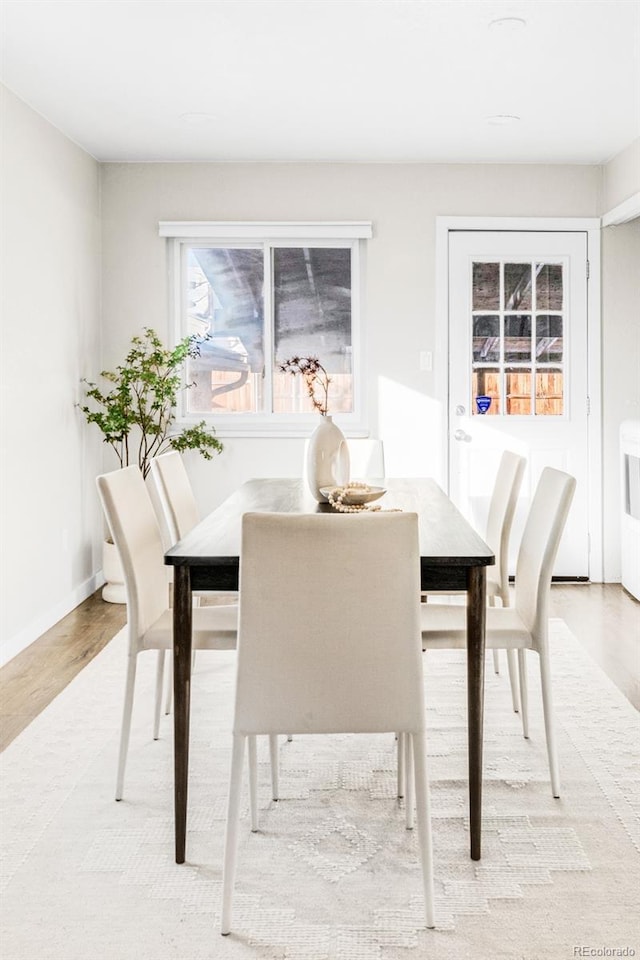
point(134, 528)
point(366, 456)
point(175, 495)
point(366, 459)
point(329, 634)
point(542, 533)
point(501, 512)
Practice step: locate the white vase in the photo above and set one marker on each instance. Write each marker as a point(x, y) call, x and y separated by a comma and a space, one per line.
point(113, 590)
point(327, 458)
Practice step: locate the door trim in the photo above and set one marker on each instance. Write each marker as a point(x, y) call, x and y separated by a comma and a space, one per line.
point(591, 226)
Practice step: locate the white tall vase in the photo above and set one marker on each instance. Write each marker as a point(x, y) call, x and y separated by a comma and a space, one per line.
point(327, 458)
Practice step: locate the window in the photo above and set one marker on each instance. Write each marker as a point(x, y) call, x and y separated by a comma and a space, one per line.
point(256, 295)
point(518, 357)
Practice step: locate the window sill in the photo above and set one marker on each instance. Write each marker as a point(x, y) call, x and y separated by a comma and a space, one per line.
point(268, 428)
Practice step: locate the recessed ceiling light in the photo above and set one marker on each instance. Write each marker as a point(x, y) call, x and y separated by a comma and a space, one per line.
point(501, 119)
point(508, 24)
point(196, 118)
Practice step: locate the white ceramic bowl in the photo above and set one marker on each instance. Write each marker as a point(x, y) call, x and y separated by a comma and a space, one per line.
point(356, 498)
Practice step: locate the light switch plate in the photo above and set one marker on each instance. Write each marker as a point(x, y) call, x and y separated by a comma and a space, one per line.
point(426, 360)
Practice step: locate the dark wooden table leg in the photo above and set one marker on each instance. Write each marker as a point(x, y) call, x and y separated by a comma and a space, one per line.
point(181, 700)
point(476, 617)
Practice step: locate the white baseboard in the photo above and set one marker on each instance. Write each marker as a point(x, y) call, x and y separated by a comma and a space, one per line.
point(14, 645)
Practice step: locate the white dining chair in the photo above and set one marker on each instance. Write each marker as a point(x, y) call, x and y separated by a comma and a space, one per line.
point(525, 625)
point(179, 510)
point(366, 457)
point(134, 528)
point(329, 642)
point(502, 505)
point(178, 514)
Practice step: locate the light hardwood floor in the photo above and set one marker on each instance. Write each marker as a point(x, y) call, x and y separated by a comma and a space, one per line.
point(602, 616)
point(606, 620)
point(32, 679)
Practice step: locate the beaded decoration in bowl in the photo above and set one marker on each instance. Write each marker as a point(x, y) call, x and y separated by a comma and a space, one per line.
point(352, 497)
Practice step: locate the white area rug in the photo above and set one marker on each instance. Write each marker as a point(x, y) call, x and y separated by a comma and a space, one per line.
point(333, 873)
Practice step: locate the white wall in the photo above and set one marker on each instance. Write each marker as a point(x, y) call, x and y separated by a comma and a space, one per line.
point(620, 369)
point(49, 258)
point(57, 242)
point(620, 336)
point(402, 200)
point(621, 177)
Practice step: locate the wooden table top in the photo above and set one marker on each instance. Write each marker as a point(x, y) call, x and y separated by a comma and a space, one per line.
point(446, 538)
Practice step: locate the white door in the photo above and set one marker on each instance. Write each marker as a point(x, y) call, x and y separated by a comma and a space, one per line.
point(518, 372)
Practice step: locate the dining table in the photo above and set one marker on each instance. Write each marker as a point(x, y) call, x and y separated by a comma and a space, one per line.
point(453, 557)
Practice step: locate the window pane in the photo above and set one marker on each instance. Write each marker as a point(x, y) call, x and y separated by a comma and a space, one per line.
point(549, 286)
point(517, 286)
point(549, 338)
point(549, 393)
point(518, 384)
point(312, 317)
point(486, 286)
point(517, 338)
point(486, 339)
point(225, 305)
point(485, 382)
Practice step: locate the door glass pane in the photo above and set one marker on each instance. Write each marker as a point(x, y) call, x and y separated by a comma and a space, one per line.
point(517, 338)
point(526, 348)
point(312, 317)
point(518, 386)
point(486, 384)
point(549, 338)
point(224, 304)
point(486, 286)
point(549, 393)
point(486, 339)
point(549, 292)
point(517, 286)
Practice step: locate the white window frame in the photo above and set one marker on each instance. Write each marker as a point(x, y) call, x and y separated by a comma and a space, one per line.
point(184, 234)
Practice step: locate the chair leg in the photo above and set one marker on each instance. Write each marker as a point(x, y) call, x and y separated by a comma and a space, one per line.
point(549, 724)
point(169, 694)
point(126, 722)
point(275, 773)
point(524, 693)
point(512, 663)
point(496, 653)
point(400, 750)
point(409, 780)
point(231, 837)
point(423, 804)
point(253, 782)
point(158, 700)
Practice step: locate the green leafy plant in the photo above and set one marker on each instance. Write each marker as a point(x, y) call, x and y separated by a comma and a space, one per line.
point(316, 378)
point(137, 414)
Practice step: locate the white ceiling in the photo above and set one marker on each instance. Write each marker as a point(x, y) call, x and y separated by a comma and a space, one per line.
point(397, 80)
